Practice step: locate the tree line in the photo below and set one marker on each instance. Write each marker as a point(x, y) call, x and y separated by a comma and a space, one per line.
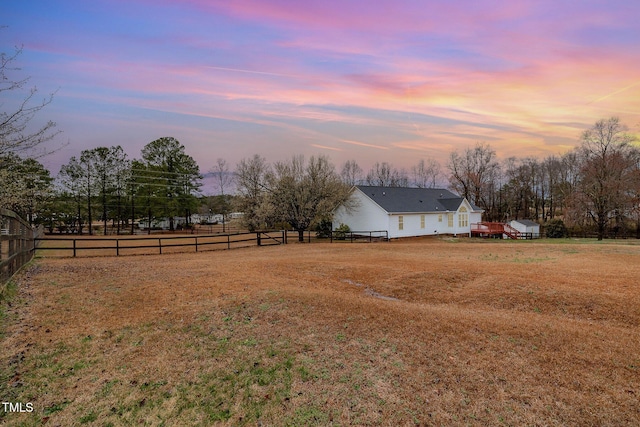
point(594, 186)
point(103, 185)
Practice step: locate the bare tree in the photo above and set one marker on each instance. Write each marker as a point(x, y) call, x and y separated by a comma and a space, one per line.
point(224, 179)
point(552, 166)
point(426, 174)
point(71, 179)
point(302, 194)
point(351, 173)
point(15, 135)
point(26, 188)
point(474, 174)
point(251, 183)
point(519, 189)
point(606, 171)
point(635, 190)
point(385, 175)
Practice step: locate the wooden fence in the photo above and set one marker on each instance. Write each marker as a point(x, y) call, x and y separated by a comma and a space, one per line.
point(359, 236)
point(75, 246)
point(108, 246)
point(17, 243)
point(338, 236)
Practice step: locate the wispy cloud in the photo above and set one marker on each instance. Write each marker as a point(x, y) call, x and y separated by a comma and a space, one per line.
point(264, 73)
point(624, 89)
point(324, 147)
point(364, 144)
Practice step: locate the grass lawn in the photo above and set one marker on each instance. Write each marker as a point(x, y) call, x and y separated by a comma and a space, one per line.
point(410, 332)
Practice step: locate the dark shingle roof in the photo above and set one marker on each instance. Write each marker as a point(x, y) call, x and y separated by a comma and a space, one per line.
point(413, 200)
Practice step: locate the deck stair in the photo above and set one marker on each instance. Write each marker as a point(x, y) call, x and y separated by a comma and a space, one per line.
point(491, 229)
point(512, 232)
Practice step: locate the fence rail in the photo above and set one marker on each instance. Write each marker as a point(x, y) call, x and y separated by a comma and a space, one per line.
point(17, 243)
point(337, 236)
point(87, 246)
point(359, 236)
point(75, 246)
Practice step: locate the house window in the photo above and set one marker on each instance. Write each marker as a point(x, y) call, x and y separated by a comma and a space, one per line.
point(439, 217)
point(450, 220)
point(400, 222)
point(463, 218)
point(421, 221)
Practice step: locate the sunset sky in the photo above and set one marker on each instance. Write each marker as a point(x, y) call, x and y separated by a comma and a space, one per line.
point(391, 81)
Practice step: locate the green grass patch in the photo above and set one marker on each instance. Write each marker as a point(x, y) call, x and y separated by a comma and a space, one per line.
point(56, 407)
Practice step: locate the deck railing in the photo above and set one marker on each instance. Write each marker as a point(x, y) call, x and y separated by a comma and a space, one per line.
point(489, 229)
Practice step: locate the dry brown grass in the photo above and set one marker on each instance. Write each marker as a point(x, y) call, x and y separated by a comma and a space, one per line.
point(422, 332)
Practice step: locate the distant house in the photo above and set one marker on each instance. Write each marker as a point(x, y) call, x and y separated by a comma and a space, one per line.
point(526, 226)
point(406, 212)
point(162, 223)
point(206, 218)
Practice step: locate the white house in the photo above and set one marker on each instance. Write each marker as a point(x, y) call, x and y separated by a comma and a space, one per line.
point(406, 212)
point(206, 218)
point(526, 226)
point(162, 223)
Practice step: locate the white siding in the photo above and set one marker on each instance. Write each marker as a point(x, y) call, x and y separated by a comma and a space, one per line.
point(366, 216)
point(475, 218)
point(524, 228)
point(472, 217)
point(412, 225)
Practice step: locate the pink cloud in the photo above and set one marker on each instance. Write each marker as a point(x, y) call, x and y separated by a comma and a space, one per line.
point(500, 74)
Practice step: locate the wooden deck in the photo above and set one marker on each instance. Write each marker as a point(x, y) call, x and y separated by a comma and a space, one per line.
point(497, 230)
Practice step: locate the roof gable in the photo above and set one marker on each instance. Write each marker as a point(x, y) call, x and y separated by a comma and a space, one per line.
point(413, 200)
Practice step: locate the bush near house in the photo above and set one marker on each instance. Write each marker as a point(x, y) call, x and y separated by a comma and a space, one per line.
point(556, 229)
point(341, 232)
point(323, 229)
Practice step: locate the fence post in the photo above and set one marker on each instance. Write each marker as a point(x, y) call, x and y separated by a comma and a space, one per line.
point(258, 238)
point(284, 242)
point(117, 247)
point(160, 245)
point(309, 236)
point(74, 248)
point(228, 241)
point(196, 243)
point(351, 236)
